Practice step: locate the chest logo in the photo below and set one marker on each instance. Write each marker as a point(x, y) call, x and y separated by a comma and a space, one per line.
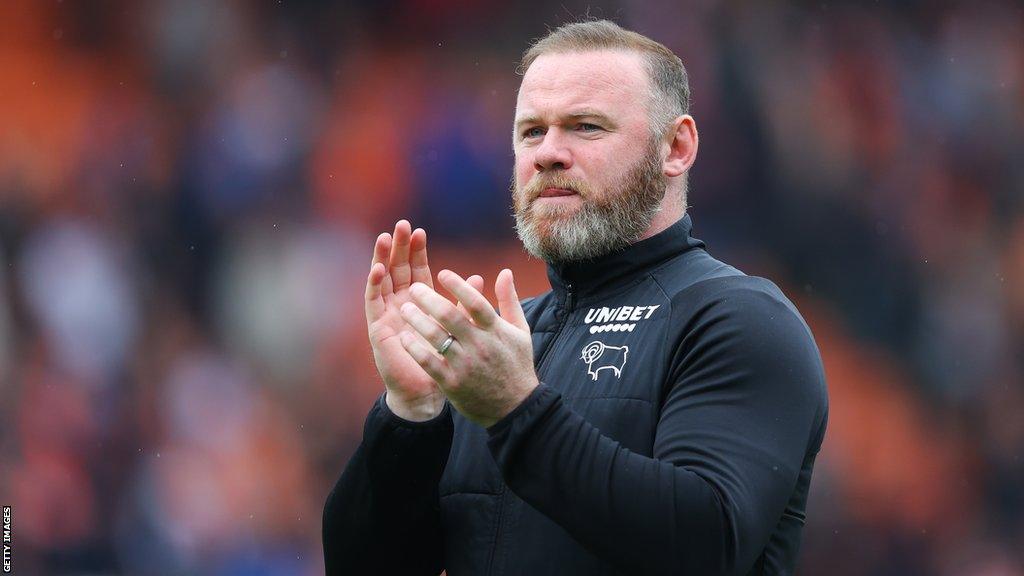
point(598, 356)
point(619, 319)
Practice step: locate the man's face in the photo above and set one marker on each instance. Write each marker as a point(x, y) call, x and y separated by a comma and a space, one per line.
point(588, 176)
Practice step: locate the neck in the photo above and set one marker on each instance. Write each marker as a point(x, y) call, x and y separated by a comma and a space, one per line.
point(673, 207)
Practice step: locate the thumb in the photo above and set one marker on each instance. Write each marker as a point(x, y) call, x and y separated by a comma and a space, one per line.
point(508, 300)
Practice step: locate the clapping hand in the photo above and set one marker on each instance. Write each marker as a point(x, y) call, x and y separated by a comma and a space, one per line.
point(399, 261)
point(487, 370)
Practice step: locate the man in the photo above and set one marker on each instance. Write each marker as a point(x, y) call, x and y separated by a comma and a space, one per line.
point(656, 412)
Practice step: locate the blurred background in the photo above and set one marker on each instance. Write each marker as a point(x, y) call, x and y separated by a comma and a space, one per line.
point(189, 193)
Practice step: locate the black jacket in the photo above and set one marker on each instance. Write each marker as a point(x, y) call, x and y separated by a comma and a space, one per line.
point(681, 408)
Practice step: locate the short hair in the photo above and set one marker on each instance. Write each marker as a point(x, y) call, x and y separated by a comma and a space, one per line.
point(670, 94)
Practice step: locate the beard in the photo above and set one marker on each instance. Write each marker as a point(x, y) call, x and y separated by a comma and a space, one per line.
point(604, 223)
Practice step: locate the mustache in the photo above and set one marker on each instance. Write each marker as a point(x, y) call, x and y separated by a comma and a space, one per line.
point(541, 182)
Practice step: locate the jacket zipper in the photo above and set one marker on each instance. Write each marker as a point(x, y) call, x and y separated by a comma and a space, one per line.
point(567, 308)
point(497, 529)
point(570, 298)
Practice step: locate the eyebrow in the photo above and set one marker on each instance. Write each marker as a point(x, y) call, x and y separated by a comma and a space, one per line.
point(575, 115)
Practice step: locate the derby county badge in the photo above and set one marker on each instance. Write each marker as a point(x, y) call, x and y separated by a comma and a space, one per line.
point(599, 356)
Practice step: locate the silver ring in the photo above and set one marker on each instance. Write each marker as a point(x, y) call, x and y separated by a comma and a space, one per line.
point(446, 345)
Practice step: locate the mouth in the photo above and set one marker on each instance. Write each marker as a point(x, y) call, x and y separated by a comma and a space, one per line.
point(555, 193)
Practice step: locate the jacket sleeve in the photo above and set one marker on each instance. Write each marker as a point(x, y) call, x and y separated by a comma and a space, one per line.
point(382, 517)
point(746, 399)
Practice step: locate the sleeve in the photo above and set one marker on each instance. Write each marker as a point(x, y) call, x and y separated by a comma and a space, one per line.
point(746, 398)
point(382, 517)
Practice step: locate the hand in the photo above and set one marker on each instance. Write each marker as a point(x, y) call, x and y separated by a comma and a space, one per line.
point(398, 262)
point(488, 370)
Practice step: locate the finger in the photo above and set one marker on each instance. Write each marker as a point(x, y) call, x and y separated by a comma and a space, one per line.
point(374, 303)
point(442, 311)
point(431, 331)
point(479, 309)
point(428, 359)
point(401, 274)
point(382, 255)
point(420, 268)
point(477, 282)
point(508, 300)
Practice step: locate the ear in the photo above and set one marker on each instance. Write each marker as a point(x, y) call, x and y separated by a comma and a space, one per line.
point(682, 147)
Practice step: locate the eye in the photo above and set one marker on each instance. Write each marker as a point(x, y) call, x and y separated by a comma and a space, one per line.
point(587, 127)
point(534, 132)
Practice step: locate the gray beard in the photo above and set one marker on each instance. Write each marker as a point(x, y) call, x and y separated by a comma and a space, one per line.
point(599, 226)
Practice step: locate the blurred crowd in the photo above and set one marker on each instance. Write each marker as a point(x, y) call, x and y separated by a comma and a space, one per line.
point(189, 193)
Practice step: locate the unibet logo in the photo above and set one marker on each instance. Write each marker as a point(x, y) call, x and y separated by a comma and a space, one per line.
point(619, 319)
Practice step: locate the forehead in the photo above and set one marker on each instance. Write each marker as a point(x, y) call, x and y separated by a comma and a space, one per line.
point(600, 78)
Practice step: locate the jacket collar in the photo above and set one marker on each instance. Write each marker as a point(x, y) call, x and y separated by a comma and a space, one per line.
point(621, 267)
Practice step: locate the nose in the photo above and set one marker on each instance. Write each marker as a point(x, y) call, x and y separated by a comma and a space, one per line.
point(553, 152)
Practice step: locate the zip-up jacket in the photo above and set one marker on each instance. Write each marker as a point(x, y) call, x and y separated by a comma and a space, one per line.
point(681, 406)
